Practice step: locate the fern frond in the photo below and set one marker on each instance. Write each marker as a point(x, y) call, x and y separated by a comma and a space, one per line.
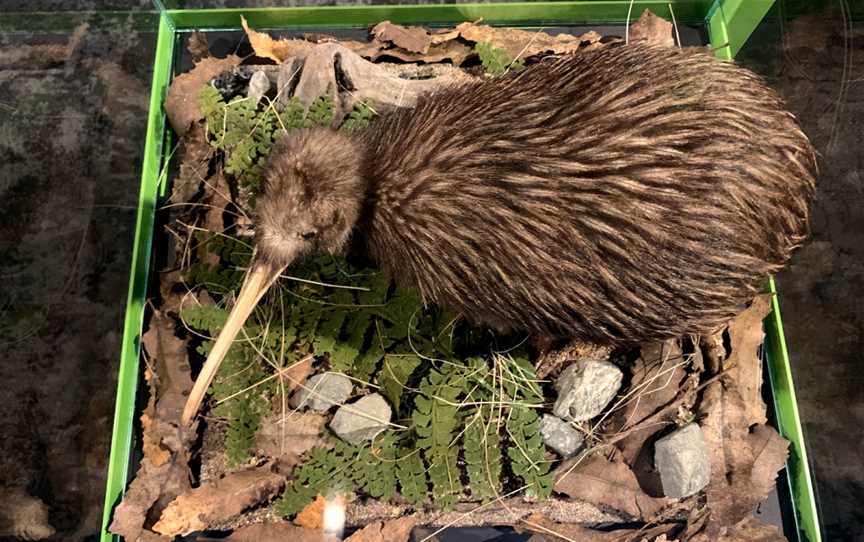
point(483, 453)
point(411, 473)
point(209, 318)
point(526, 451)
point(359, 118)
point(320, 112)
point(496, 60)
point(374, 470)
point(396, 371)
point(436, 418)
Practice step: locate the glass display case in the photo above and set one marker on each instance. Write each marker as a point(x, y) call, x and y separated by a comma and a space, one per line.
point(131, 51)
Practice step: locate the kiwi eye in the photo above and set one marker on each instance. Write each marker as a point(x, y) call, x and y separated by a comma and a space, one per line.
point(309, 235)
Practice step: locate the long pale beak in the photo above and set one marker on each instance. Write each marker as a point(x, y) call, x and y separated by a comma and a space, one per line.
point(258, 280)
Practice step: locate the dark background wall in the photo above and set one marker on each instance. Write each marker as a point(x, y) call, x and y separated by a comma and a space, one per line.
point(73, 105)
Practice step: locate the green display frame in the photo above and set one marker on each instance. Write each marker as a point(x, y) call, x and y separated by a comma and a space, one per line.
point(729, 24)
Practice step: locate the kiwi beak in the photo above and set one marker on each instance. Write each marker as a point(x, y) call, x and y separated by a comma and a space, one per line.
point(259, 278)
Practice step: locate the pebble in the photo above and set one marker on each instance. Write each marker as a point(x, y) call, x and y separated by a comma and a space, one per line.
point(560, 436)
point(361, 420)
point(585, 388)
point(259, 85)
point(683, 462)
point(233, 82)
point(322, 391)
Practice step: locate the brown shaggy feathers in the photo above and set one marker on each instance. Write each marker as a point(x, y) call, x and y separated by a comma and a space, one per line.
point(632, 193)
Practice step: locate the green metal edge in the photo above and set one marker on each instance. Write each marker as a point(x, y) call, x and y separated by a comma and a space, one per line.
point(789, 423)
point(127, 380)
point(731, 22)
point(585, 11)
point(720, 18)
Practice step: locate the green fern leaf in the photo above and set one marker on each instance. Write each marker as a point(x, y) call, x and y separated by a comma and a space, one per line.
point(526, 451)
point(292, 114)
point(495, 60)
point(374, 470)
point(358, 118)
point(395, 372)
point(320, 112)
point(411, 474)
point(330, 327)
point(437, 417)
point(209, 318)
point(483, 453)
point(244, 423)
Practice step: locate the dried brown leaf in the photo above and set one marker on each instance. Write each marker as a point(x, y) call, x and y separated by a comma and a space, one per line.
point(413, 39)
point(744, 461)
point(412, 44)
point(169, 359)
point(745, 367)
point(194, 162)
point(653, 30)
point(549, 530)
point(296, 375)
point(164, 471)
point(296, 433)
point(525, 43)
point(181, 103)
point(198, 46)
point(320, 37)
point(749, 529)
point(714, 351)
point(745, 458)
point(604, 483)
point(151, 444)
point(219, 500)
point(172, 297)
point(217, 198)
point(442, 34)
point(278, 532)
point(312, 515)
point(454, 51)
point(658, 375)
point(394, 530)
point(151, 484)
point(277, 50)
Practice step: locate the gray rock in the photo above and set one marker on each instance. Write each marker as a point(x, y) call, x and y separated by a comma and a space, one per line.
point(361, 420)
point(560, 436)
point(322, 391)
point(683, 461)
point(259, 84)
point(585, 388)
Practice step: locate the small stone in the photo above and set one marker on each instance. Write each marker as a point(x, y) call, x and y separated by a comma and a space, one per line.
point(585, 388)
point(233, 82)
point(683, 461)
point(259, 85)
point(362, 420)
point(560, 436)
point(322, 391)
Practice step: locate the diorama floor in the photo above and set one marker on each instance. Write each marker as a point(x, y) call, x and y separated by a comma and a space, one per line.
point(73, 108)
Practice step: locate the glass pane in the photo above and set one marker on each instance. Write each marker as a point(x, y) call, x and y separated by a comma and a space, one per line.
point(74, 95)
point(812, 54)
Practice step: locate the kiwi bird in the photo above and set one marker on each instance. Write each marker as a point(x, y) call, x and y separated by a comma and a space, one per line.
point(628, 194)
